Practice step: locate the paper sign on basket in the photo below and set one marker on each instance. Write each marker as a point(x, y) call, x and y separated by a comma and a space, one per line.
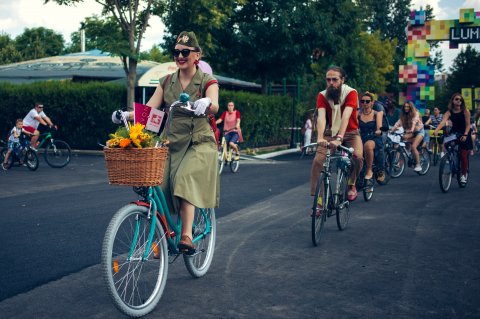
point(151, 118)
point(155, 120)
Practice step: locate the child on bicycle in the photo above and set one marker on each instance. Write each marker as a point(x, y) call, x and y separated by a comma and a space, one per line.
point(14, 141)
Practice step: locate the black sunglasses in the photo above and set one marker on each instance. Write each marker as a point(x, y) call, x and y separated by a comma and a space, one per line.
point(365, 101)
point(185, 52)
point(458, 99)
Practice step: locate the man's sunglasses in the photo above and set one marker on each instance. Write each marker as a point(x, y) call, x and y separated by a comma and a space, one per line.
point(185, 52)
point(365, 101)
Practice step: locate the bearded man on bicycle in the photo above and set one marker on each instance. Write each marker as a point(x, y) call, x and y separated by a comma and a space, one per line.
point(337, 124)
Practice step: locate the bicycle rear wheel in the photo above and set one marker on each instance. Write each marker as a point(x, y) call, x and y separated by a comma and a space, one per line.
point(424, 161)
point(57, 154)
point(320, 209)
point(31, 159)
point(387, 166)
point(204, 237)
point(342, 205)
point(459, 173)
point(398, 163)
point(445, 173)
point(134, 282)
point(435, 153)
point(368, 189)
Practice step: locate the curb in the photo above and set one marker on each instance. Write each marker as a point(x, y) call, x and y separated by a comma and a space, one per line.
point(262, 156)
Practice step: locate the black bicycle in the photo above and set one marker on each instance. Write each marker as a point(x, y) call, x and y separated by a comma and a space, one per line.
point(450, 165)
point(331, 193)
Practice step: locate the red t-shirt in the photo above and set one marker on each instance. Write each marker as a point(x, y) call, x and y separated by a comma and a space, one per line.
point(350, 100)
point(229, 119)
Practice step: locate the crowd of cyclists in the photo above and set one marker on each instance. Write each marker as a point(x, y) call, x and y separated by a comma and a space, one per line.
point(345, 117)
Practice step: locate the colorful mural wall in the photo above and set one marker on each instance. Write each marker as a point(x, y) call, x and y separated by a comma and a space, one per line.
point(417, 74)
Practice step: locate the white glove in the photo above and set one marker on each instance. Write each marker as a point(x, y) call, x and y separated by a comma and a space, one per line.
point(201, 105)
point(183, 105)
point(117, 116)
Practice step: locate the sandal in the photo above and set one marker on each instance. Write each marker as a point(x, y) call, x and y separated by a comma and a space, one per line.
point(185, 245)
point(352, 193)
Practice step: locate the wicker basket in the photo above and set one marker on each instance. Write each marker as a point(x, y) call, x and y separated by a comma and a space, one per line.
point(135, 166)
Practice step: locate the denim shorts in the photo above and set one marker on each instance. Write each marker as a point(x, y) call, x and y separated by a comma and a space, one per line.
point(232, 137)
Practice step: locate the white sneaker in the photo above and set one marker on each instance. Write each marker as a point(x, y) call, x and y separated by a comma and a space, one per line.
point(441, 154)
point(418, 168)
point(463, 179)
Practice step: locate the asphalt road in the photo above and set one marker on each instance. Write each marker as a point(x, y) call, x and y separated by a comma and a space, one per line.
point(412, 252)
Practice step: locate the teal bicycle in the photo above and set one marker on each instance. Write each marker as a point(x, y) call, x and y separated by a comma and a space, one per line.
point(57, 153)
point(141, 241)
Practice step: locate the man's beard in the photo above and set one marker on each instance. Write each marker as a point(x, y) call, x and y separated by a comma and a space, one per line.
point(333, 93)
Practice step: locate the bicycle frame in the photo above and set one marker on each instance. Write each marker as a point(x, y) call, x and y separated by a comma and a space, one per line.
point(156, 202)
point(44, 138)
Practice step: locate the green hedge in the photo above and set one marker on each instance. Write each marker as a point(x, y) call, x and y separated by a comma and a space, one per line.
point(83, 111)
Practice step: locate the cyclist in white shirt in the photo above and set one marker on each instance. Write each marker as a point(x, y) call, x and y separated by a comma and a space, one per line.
point(35, 117)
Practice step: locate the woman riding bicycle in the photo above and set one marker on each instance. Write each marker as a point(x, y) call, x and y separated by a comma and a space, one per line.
point(412, 124)
point(231, 127)
point(459, 115)
point(191, 173)
point(370, 122)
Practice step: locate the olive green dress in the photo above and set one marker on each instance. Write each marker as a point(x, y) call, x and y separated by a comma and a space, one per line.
point(191, 171)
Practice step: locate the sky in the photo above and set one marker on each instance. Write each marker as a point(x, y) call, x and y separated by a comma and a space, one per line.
point(16, 15)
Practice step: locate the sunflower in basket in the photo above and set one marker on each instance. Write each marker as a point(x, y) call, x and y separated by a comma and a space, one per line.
point(135, 137)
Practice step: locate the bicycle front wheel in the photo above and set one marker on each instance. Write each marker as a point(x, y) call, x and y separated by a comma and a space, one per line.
point(221, 161)
point(31, 159)
point(445, 173)
point(135, 279)
point(234, 164)
point(398, 163)
point(342, 206)
point(9, 160)
point(57, 154)
point(320, 209)
point(204, 237)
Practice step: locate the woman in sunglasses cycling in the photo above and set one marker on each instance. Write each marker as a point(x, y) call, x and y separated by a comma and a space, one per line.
point(370, 122)
point(459, 115)
point(191, 173)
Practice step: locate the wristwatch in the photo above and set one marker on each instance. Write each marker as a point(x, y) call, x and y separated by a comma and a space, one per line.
point(339, 139)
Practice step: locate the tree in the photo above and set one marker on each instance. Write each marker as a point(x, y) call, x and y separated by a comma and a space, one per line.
point(207, 18)
point(377, 56)
point(130, 17)
point(267, 40)
point(390, 18)
point(8, 52)
point(464, 70)
point(36, 43)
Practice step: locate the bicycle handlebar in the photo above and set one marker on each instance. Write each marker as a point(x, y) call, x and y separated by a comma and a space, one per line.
point(349, 150)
